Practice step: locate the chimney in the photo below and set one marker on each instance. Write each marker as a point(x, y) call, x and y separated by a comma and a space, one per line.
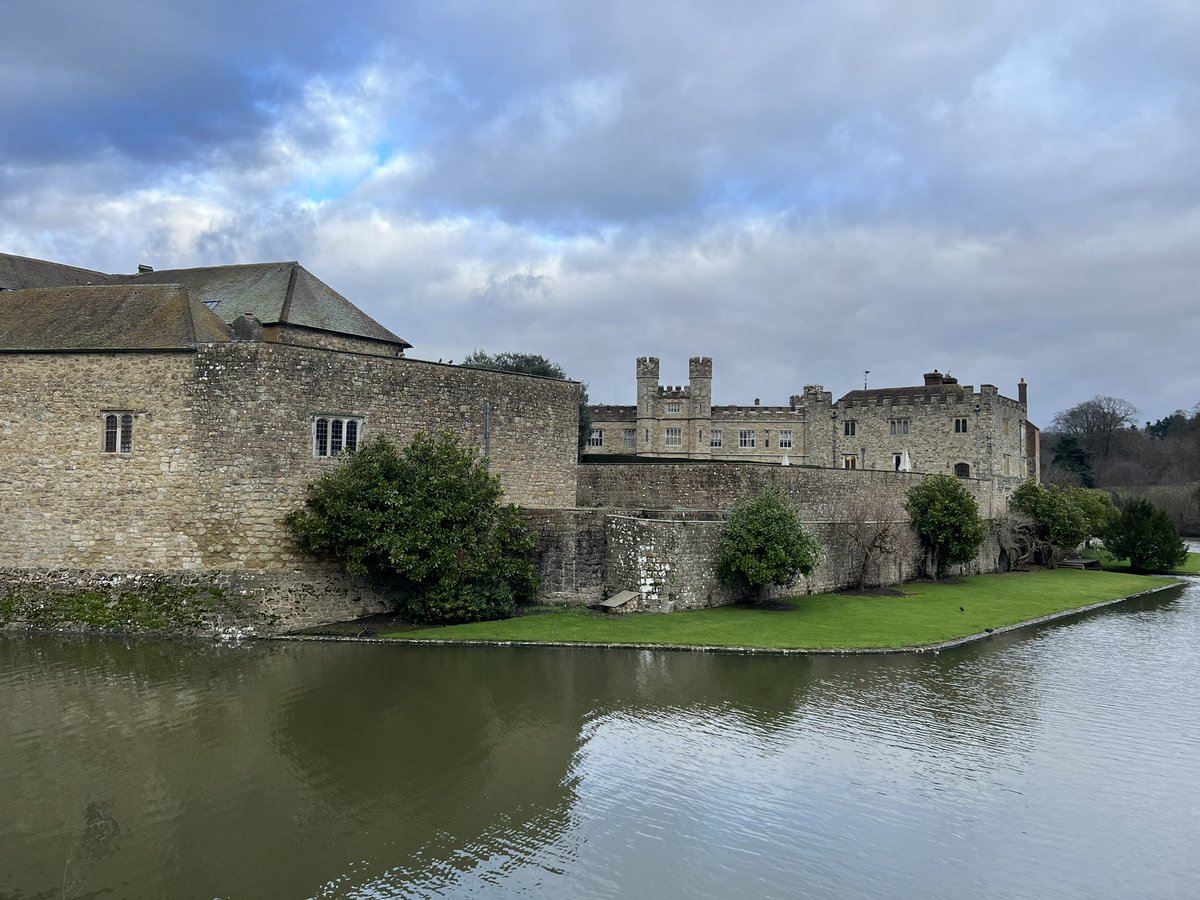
point(1023, 392)
point(933, 379)
point(143, 268)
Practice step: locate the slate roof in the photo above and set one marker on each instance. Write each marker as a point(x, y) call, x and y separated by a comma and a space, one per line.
point(274, 293)
point(18, 272)
point(108, 317)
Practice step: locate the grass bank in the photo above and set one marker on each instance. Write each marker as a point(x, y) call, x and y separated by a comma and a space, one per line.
point(925, 613)
point(1115, 564)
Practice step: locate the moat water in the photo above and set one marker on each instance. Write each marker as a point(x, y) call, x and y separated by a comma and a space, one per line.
point(1062, 762)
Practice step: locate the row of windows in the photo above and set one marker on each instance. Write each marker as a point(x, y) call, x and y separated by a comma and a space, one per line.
point(673, 437)
point(331, 434)
point(897, 426)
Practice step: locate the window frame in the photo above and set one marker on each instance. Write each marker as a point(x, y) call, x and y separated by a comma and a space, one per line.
point(899, 426)
point(747, 439)
point(716, 438)
point(960, 424)
point(123, 421)
point(673, 437)
point(785, 440)
point(849, 461)
point(849, 427)
point(595, 437)
point(342, 434)
point(629, 438)
point(674, 406)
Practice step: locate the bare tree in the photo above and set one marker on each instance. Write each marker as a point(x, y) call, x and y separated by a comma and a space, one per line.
point(1094, 422)
point(875, 527)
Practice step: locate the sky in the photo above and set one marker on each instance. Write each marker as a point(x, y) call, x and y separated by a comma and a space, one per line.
point(804, 191)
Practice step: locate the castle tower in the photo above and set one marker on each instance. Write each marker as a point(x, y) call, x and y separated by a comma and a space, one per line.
point(647, 393)
point(700, 381)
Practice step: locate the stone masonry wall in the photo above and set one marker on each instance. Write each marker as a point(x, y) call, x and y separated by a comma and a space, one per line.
point(65, 502)
point(672, 564)
point(229, 602)
point(255, 419)
point(820, 494)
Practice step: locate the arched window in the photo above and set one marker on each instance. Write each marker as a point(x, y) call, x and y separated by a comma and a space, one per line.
point(962, 470)
point(333, 435)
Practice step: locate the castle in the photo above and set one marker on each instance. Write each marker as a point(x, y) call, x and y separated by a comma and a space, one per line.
point(939, 426)
point(157, 426)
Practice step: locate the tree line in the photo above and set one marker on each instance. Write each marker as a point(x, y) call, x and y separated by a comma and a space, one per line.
point(1099, 443)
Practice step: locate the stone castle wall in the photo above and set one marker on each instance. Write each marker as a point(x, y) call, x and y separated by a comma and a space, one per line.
point(820, 494)
point(222, 447)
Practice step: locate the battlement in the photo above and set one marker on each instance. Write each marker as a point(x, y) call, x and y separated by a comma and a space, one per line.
point(647, 367)
point(674, 391)
point(700, 367)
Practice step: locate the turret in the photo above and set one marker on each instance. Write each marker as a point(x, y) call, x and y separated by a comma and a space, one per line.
point(700, 382)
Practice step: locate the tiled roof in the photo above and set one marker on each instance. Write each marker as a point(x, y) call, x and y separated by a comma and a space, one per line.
point(18, 272)
point(283, 292)
point(108, 317)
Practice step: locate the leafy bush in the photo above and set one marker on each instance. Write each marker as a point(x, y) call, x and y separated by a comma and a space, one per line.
point(1147, 536)
point(427, 520)
point(765, 544)
point(1063, 517)
point(946, 518)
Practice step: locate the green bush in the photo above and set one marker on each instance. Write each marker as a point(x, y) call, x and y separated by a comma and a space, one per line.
point(1147, 536)
point(946, 518)
point(1063, 517)
point(765, 544)
point(428, 521)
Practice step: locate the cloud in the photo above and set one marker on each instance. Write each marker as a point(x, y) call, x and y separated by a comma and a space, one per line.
point(802, 191)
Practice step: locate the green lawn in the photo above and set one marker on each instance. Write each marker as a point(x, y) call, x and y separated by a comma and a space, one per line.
point(928, 613)
point(1108, 561)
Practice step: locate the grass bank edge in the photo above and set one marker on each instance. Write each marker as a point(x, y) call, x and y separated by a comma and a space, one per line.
point(925, 614)
point(1113, 564)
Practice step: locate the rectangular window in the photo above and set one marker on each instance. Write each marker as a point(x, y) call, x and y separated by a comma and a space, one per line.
point(849, 428)
point(335, 434)
point(596, 437)
point(960, 426)
point(785, 440)
point(747, 438)
point(899, 426)
point(673, 407)
point(629, 438)
point(896, 460)
point(716, 438)
point(118, 432)
point(849, 462)
point(674, 437)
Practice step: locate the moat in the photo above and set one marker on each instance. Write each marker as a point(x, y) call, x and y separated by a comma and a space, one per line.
point(1063, 761)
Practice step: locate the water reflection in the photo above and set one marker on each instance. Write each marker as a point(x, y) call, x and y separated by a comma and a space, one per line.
point(1057, 763)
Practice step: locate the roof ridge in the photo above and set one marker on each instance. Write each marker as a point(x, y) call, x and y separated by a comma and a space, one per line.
point(291, 290)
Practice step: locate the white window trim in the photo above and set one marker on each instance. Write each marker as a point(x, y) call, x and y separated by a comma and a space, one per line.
point(747, 439)
point(716, 438)
point(596, 437)
point(326, 451)
point(123, 443)
point(785, 440)
point(673, 437)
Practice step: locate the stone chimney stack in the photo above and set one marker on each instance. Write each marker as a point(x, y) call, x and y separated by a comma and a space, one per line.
point(933, 379)
point(1023, 392)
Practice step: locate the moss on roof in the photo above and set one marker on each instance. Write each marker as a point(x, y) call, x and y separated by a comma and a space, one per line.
point(109, 317)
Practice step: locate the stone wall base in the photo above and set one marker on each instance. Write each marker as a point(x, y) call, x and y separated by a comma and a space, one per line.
point(197, 602)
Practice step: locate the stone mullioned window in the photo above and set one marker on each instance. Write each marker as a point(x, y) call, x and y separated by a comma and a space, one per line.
point(335, 434)
point(118, 432)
